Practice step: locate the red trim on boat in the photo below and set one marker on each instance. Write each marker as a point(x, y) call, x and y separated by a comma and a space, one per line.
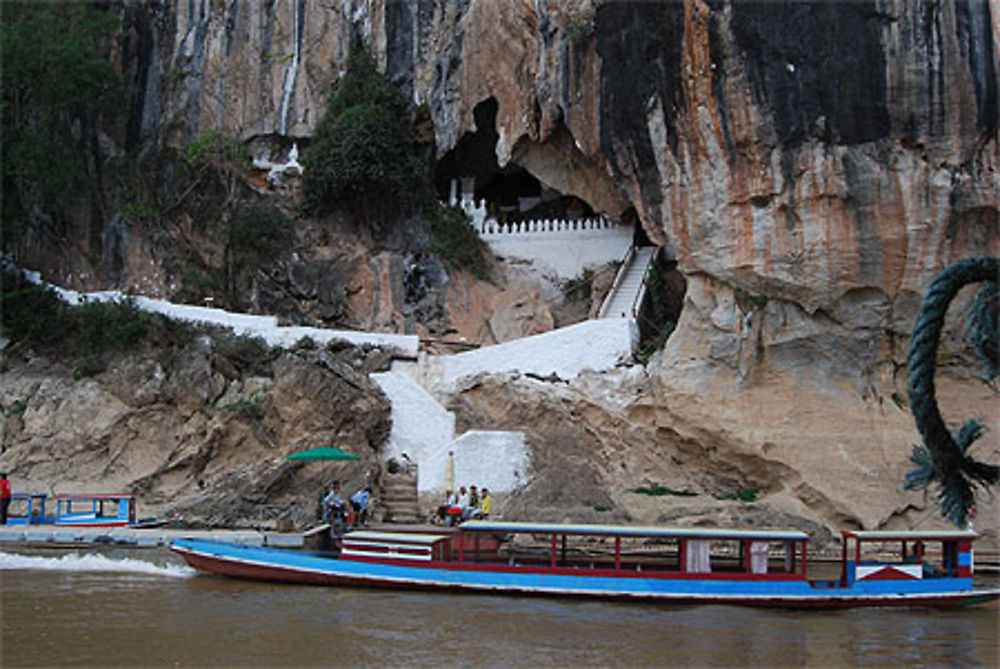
point(253, 571)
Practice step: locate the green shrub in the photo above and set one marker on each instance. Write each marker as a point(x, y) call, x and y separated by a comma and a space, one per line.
point(34, 315)
point(660, 491)
point(113, 326)
point(257, 233)
point(249, 407)
point(364, 150)
point(455, 242)
point(31, 314)
point(249, 355)
point(219, 150)
point(742, 495)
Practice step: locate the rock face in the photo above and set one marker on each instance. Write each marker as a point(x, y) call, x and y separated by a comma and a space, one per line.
point(810, 153)
point(809, 166)
point(818, 462)
point(193, 434)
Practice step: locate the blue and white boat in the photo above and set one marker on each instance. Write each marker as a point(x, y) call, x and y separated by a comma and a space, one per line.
point(683, 565)
point(80, 510)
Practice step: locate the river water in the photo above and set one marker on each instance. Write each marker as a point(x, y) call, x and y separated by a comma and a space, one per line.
point(145, 608)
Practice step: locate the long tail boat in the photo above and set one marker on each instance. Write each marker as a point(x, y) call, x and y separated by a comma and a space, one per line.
point(668, 564)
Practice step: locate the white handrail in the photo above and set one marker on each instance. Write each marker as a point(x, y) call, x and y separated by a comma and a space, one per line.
point(619, 277)
point(641, 294)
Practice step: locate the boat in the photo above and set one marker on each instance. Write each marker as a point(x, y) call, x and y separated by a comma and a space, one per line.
point(95, 510)
point(28, 508)
point(82, 510)
point(667, 564)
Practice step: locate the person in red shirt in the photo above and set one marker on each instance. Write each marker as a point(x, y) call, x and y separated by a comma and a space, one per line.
point(4, 497)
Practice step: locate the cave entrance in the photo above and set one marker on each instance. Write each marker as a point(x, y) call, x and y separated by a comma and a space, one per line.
point(639, 236)
point(511, 193)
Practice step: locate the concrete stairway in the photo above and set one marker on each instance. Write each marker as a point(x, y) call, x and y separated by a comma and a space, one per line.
point(398, 501)
point(420, 425)
point(624, 300)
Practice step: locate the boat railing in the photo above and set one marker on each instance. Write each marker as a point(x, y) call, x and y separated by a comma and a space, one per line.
point(683, 552)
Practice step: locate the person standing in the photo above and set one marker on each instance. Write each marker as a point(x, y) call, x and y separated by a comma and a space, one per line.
point(4, 497)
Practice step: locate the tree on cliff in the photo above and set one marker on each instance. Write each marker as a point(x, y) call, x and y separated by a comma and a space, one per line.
point(57, 83)
point(364, 152)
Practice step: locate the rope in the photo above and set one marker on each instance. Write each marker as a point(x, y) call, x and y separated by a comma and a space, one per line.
point(943, 457)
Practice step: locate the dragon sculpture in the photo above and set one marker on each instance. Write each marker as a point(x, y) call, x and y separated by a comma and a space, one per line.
point(944, 456)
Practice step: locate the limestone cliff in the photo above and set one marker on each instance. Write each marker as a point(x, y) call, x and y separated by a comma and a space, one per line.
point(810, 167)
point(829, 156)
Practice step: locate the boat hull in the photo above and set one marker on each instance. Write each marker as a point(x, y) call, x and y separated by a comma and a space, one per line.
point(289, 566)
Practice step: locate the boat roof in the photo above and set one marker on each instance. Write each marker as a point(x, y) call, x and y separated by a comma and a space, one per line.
point(399, 537)
point(908, 535)
point(100, 495)
point(631, 530)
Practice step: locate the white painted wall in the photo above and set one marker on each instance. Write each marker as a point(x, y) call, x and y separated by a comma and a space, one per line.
point(425, 431)
point(246, 324)
point(564, 253)
point(495, 459)
point(422, 428)
point(596, 345)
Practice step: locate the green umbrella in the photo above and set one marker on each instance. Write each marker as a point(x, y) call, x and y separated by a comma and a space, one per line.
point(323, 453)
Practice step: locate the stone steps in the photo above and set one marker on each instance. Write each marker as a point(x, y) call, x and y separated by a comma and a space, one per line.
point(399, 499)
point(622, 302)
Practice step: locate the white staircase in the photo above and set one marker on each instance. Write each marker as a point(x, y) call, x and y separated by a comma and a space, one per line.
point(424, 431)
point(626, 294)
point(421, 427)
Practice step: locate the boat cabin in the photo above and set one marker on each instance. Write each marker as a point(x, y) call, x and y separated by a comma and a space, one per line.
point(96, 510)
point(28, 508)
point(905, 555)
point(600, 549)
point(649, 550)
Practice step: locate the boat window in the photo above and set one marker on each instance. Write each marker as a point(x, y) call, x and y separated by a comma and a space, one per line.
point(573, 551)
point(648, 554)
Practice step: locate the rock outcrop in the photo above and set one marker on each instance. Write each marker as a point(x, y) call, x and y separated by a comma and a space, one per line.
point(191, 433)
point(821, 462)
